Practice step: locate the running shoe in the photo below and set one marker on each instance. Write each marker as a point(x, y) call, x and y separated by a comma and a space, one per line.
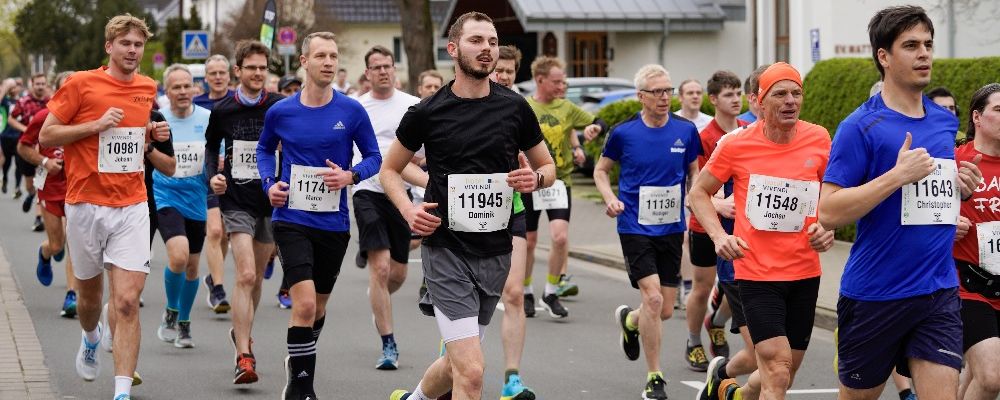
point(710, 390)
point(69, 305)
point(17, 193)
point(292, 391)
point(136, 378)
point(28, 201)
point(399, 394)
point(183, 339)
point(529, 305)
point(284, 299)
point(88, 361)
point(727, 387)
point(38, 225)
point(43, 271)
point(123, 396)
point(717, 339)
point(269, 269)
point(554, 307)
point(232, 340)
point(246, 367)
point(59, 256)
point(390, 358)
point(215, 296)
point(566, 288)
point(167, 331)
point(514, 389)
point(630, 338)
point(361, 259)
point(912, 396)
point(106, 340)
point(696, 359)
point(656, 389)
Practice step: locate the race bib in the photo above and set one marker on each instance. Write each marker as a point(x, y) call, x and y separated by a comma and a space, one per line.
point(479, 202)
point(989, 246)
point(307, 192)
point(659, 205)
point(551, 198)
point(780, 204)
point(121, 150)
point(245, 159)
point(40, 174)
point(190, 158)
point(933, 200)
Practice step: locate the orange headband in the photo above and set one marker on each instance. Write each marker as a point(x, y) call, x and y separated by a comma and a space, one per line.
point(779, 71)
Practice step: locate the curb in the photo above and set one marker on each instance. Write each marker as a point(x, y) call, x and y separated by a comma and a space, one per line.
point(825, 318)
point(26, 377)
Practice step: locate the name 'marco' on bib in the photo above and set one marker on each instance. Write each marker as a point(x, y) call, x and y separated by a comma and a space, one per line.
point(935, 199)
point(307, 192)
point(120, 150)
point(479, 202)
point(659, 205)
point(780, 204)
point(988, 235)
point(190, 158)
point(245, 159)
point(551, 198)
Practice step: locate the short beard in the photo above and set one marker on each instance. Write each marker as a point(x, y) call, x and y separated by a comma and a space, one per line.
point(470, 70)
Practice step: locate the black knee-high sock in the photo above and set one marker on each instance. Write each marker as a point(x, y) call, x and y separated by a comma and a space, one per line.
point(302, 356)
point(318, 328)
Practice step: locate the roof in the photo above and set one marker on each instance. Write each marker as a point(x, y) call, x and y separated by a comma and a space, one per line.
point(376, 11)
point(613, 15)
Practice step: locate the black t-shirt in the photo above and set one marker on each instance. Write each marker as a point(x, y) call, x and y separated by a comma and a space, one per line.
point(468, 136)
point(166, 147)
point(231, 121)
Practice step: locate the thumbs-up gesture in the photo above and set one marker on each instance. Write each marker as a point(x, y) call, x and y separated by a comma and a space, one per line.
point(912, 164)
point(523, 179)
point(969, 176)
point(336, 178)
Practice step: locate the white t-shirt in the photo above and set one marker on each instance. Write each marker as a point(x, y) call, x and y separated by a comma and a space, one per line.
point(700, 122)
point(342, 89)
point(385, 116)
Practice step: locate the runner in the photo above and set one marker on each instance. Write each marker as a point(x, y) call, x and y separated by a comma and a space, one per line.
point(473, 129)
point(382, 232)
point(898, 312)
point(9, 90)
point(341, 84)
point(650, 212)
point(690, 92)
point(751, 86)
point(246, 211)
point(216, 240)
point(20, 116)
point(289, 85)
point(776, 166)
point(181, 209)
point(100, 117)
point(52, 196)
point(724, 93)
point(430, 82)
point(512, 329)
point(311, 220)
point(976, 253)
point(557, 118)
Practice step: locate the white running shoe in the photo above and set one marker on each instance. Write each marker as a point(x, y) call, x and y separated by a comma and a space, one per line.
point(88, 361)
point(106, 340)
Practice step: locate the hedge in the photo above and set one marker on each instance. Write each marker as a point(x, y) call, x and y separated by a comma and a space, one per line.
point(835, 88)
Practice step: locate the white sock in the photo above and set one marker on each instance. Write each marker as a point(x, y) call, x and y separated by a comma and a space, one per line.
point(529, 289)
point(418, 394)
point(93, 336)
point(550, 288)
point(123, 385)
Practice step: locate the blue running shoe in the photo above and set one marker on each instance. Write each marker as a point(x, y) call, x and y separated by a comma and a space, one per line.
point(269, 270)
point(284, 299)
point(390, 358)
point(515, 390)
point(88, 361)
point(123, 396)
point(912, 396)
point(44, 269)
point(69, 305)
point(59, 256)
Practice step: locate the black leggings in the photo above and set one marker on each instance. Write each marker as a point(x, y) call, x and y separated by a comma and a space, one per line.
point(9, 145)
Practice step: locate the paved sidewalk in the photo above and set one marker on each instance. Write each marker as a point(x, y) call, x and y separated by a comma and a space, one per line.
point(594, 238)
point(23, 374)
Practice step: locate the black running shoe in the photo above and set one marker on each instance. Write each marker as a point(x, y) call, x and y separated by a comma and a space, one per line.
point(630, 338)
point(529, 305)
point(554, 307)
point(656, 389)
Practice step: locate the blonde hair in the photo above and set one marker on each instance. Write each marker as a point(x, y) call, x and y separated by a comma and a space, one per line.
point(322, 35)
point(542, 65)
point(649, 71)
point(123, 24)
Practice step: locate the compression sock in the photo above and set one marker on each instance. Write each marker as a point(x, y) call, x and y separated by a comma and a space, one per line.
point(173, 284)
point(188, 292)
point(302, 356)
point(318, 327)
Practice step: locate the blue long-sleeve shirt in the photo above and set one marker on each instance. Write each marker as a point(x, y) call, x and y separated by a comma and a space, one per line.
point(309, 136)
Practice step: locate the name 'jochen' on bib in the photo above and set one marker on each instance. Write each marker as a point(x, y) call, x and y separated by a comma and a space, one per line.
point(780, 204)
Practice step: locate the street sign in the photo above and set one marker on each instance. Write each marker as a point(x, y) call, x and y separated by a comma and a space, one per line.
point(195, 45)
point(814, 44)
point(159, 61)
point(286, 35)
point(286, 50)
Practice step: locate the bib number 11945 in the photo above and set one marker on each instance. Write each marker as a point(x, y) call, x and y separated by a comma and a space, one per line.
point(478, 202)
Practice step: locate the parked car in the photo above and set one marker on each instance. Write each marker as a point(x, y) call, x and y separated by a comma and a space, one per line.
point(579, 87)
point(593, 102)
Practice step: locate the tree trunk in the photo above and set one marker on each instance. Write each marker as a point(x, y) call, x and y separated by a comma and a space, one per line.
point(418, 39)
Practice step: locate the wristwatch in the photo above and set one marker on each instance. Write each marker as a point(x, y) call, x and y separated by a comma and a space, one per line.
point(355, 177)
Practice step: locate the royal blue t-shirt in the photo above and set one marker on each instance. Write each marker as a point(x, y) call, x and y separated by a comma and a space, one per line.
point(185, 194)
point(206, 102)
point(309, 136)
point(748, 117)
point(890, 261)
point(723, 267)
point(651, 157)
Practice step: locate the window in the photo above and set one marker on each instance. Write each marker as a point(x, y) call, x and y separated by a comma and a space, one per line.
point(781, 31)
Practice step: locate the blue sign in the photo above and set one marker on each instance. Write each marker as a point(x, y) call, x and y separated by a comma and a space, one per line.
point(814, 45)
point(196, 45)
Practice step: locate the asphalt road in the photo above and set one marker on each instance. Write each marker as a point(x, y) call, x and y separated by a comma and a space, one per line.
point(575, 358)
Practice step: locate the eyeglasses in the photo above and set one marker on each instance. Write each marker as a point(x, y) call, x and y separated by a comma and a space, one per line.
point(260, 68)
point(659, 92)
point(380, 67)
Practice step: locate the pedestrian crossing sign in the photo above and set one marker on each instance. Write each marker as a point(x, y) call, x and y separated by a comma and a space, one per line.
point(196, 45)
